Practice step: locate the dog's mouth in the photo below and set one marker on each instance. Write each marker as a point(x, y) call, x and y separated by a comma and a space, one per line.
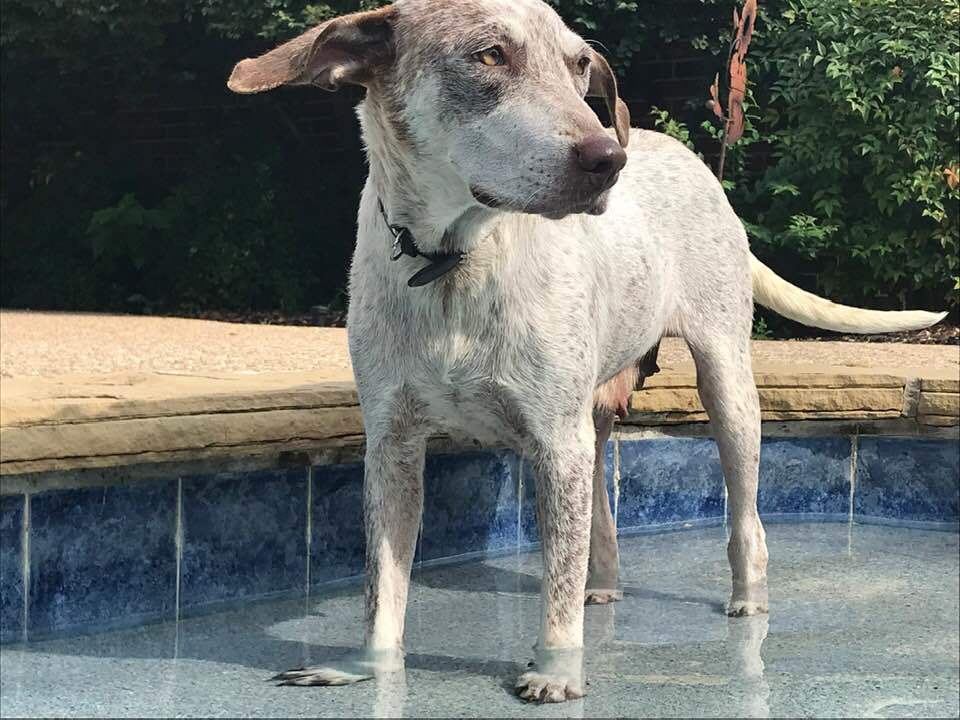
point(590, 204)
point(486, 199)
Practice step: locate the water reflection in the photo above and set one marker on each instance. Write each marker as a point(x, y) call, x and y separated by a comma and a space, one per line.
point(391, 695)
point(749, 689)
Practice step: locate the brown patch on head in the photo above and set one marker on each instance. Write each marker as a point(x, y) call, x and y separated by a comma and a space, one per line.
point(469, 94)
point(391, 111)
point(439, 39)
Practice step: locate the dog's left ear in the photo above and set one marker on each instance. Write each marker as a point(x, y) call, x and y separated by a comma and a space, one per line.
point(603, 83)
point(348, 49)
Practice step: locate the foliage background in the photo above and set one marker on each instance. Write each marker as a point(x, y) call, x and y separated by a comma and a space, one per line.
point(840, 178)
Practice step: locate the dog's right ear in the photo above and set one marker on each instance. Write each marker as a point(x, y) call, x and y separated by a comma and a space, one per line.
point(603, 83)
point(348, 49)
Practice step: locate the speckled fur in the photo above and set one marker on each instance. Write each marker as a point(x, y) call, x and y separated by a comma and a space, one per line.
point(512, 347)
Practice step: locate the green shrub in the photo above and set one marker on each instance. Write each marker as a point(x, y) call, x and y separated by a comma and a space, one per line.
point(237, 235)
point(44, 256)
point(221, 240)
point(840, 175)
point(859, 103)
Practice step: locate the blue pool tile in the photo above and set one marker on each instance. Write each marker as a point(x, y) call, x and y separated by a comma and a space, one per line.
point(669, 480)
point(102, 556)
point(11, 567)
point(244, 535)
point(805, 475)
point(528, 506)
point(338, 541)
point(470, 504)
point(908, 479)
point(608, 462)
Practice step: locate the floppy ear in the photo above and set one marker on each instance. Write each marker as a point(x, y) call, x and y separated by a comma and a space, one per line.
point(347, 49)
point(603, 83)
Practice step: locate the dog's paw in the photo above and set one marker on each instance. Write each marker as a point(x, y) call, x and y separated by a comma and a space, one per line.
point(748, 599)
point(602, 597)
point(556, 676)
point(346, 675)
point(356, 667)
point(746, 608)
point(539, 687)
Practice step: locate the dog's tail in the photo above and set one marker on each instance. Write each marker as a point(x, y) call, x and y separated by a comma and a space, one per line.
point(772, 291)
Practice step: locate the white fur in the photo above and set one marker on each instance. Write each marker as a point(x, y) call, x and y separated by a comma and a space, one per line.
point(774, 292)
point(512, 346)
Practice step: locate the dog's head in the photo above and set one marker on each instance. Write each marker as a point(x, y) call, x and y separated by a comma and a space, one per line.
point(492, 88)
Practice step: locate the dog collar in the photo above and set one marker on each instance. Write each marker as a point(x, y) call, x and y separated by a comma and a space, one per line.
point(404, 244)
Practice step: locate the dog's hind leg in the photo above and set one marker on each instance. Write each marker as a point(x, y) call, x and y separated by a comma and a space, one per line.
point(603, 569)
point(610, 400)
point(393, 503)
point(727, 390)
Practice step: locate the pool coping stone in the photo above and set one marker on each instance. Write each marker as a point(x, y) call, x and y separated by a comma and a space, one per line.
point(67, 423)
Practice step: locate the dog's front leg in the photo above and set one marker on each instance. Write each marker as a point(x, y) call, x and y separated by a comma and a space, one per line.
point(563, 472)
point(393, 503)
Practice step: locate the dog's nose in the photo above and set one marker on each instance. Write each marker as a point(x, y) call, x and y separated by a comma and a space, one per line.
point(601, 156)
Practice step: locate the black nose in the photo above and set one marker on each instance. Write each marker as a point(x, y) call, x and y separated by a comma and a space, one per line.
point(601, 156)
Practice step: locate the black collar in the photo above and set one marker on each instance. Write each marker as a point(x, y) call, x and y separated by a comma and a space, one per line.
point(404, 244)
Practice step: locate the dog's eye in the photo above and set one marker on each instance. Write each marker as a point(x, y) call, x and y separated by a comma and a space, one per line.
point(582, 65)
point(491, 57)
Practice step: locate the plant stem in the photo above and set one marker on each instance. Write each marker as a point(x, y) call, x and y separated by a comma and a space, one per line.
point(723, 150)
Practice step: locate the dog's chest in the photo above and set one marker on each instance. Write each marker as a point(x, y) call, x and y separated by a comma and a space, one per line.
point(471, 387)
point(476, 367)
point(487, 415)
point(488, 353)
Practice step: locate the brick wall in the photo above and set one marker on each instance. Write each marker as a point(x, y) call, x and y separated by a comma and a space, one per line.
point(166, 132)
point(166, 135)
point(674, 81)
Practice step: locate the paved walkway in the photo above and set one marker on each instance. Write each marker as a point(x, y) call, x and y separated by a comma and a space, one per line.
point(34, 343)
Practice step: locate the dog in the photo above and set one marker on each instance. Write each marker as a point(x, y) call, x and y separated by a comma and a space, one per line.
point(515, 269)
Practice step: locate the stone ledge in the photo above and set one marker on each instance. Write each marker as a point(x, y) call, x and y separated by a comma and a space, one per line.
point(66, 423)
point(938, 420)
point(66, 399)
point(777, 400)
point(939, 403)
point(941, 385)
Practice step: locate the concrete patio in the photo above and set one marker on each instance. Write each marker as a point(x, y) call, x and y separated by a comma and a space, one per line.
point(44, 343)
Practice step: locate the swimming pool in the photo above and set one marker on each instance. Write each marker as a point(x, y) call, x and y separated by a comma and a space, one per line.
point(202, 574)
point(863, 623)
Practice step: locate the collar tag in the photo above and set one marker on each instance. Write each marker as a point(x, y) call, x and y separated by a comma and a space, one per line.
point(439, 266)
point(404, 244)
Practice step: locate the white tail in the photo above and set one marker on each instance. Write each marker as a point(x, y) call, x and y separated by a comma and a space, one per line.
point(772, 291)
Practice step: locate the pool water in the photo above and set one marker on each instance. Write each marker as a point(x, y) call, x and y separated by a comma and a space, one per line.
point(863, 622)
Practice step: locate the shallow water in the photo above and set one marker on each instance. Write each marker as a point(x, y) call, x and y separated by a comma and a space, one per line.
point(863, 622)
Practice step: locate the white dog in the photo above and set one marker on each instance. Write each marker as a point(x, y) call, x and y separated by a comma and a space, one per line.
point(514, 266)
